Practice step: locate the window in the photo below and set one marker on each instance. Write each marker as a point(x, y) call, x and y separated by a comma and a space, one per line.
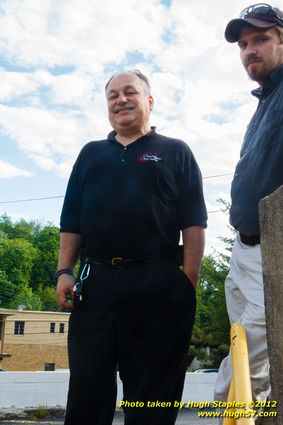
point(62, 328)
point(19, 328)
point(49, 367)
point(52, 327)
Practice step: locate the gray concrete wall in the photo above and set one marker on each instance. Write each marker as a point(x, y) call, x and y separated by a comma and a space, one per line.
point(271, 230)
point(19, 390)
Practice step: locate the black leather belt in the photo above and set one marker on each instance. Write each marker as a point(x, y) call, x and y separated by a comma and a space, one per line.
point(121, 263)
point(250, 240)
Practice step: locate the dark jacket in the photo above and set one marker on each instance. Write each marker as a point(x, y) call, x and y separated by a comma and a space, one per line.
point(260, 168)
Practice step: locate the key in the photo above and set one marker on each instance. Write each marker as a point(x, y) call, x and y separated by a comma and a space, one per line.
point(78, 289)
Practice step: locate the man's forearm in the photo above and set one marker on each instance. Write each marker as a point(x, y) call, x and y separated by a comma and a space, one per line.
point(70, 245)
point(193, 241)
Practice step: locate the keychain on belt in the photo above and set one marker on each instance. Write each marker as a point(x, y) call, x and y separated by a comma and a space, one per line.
point(78, 287)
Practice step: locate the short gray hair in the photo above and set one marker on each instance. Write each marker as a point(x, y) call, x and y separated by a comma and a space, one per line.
point(136, 72)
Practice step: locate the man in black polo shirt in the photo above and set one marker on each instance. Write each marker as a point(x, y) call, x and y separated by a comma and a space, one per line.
point(259, 33)
point(127, 200)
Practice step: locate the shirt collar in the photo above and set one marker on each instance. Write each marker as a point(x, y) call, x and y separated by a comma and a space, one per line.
point(112, 136)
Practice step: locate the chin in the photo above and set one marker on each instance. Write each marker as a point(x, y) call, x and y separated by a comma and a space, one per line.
point(258, 76)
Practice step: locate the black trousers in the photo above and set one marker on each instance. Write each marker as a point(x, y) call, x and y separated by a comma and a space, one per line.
point(138, 320)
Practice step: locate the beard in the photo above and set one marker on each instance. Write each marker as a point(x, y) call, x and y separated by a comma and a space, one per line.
point(257, 72)
point(257, 76)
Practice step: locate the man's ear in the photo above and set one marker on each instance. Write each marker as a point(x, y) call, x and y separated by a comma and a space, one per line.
point(151, 103)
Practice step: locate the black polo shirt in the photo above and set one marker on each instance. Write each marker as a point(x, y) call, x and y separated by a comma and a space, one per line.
point(133, 201)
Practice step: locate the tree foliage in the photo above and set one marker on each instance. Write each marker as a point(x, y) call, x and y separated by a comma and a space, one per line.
point(25, 296)
point(28, 259)
point(21, 229)
point(46, 243)
point(211, 335)
point(16, 259)
point(212, 325)
point(48, 298)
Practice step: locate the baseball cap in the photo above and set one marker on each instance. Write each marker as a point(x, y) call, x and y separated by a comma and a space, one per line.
point(260, 15)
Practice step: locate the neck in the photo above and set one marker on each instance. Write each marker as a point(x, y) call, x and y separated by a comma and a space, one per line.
point(129, 136)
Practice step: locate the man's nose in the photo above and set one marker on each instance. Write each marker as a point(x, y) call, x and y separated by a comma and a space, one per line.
point(122, 98)
point(250, 49)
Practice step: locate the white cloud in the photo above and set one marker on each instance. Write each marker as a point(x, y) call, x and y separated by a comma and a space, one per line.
point(8, 171)
point(86, 33)
point(15, 84)
point(43, 162)
point(43, 131)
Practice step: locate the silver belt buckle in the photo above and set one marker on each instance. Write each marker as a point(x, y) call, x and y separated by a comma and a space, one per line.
point(114, 260)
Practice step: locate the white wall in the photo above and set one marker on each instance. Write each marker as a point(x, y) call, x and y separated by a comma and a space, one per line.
point(32, 389)
point(199, 387)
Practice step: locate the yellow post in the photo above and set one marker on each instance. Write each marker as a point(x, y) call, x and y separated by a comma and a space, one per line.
point(230, 410)
point(241, 375)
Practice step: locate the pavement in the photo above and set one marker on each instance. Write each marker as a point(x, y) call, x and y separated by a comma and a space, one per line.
point(185, 417)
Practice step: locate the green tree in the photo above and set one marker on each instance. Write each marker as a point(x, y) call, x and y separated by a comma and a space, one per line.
point(212, 326)
point(46, 243)
point(16, 262)
point(48, 298)
point(7, 289)
point(26, 297)
point(22, 229)
point(28, 260)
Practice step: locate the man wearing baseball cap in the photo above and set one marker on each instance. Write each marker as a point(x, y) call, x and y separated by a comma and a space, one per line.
point(259, 34)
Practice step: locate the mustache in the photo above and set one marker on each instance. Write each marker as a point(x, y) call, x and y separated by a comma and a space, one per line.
point(251, 58)
point(128, 107)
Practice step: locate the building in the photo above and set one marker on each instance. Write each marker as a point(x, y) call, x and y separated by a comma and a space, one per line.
point(3, 355)
point(33, 340)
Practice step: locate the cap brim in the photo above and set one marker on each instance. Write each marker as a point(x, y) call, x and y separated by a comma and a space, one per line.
point(234, 27)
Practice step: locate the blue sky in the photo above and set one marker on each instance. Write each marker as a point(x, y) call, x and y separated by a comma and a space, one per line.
point(55, 60)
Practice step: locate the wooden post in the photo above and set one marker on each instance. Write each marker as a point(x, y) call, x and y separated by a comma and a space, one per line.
point(271, 235)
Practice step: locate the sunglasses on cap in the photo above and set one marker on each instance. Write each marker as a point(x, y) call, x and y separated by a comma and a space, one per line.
point(262, 11)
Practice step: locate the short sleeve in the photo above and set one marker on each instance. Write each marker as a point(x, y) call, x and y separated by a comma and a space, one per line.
point(191, 200)
point(70, 216)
